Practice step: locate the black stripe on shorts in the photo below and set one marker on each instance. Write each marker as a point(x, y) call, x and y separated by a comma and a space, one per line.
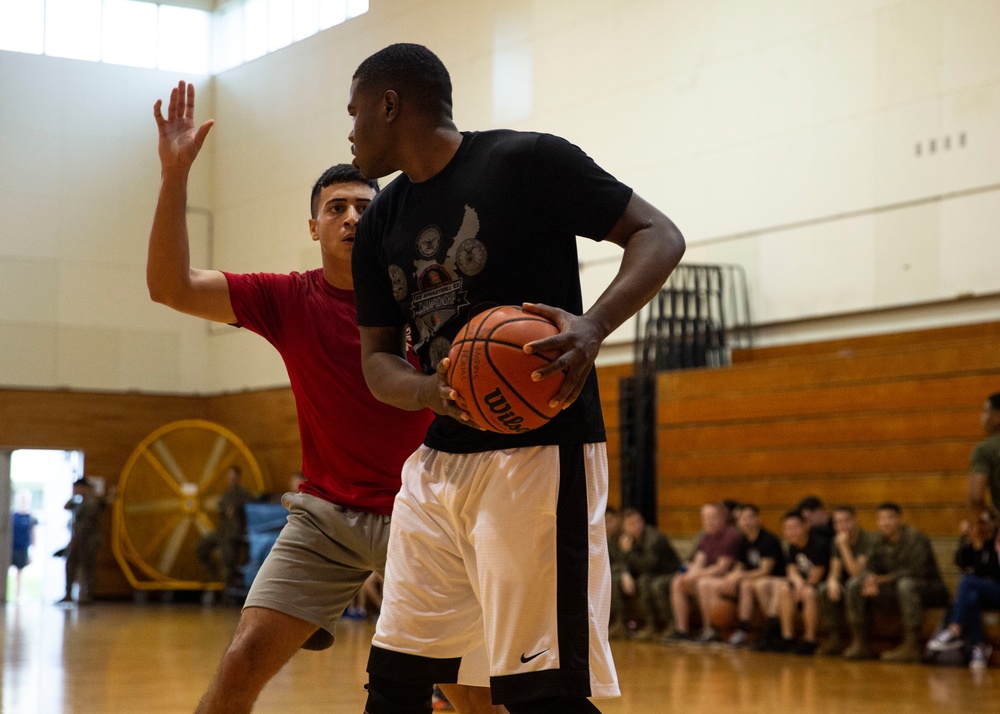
point(572, 679)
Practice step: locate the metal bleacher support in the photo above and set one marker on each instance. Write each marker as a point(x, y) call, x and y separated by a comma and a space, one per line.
point(699, 316)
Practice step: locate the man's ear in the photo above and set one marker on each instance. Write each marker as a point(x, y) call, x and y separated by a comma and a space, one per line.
point(312, 228)
point(390, 105)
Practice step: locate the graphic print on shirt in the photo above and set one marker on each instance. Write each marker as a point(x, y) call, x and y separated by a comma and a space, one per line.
point(439, 289)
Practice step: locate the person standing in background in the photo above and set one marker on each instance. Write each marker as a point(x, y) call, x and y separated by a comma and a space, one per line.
point(22, 526)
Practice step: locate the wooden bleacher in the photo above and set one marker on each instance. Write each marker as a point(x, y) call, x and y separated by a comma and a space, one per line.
point(856, 421)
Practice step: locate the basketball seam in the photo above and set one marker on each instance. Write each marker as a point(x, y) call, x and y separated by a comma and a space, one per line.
point(499, 374)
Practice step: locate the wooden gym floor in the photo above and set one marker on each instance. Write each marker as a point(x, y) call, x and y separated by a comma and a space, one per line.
point(157, 659)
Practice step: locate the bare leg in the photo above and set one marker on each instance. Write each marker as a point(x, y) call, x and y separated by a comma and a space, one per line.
point(786, 608)
point(264, 641)
point(810, 614)
point(708, 593)
point(679, 601)
point(471, 700)
point(746, 600)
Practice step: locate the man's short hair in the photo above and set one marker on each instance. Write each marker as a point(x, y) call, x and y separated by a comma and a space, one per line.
point(630, 511)
point(810, 503)
point(849, 510)
point(339, 173)
point(889, 506)
point(794, 513)
point(413, 72)
point(994, 400)
point(750, 507)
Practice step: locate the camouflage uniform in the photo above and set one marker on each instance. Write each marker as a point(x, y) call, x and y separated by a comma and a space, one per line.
point(81, 555)
point(833, 612)
point(652, 563)
point(227, 536)
point(916, 584)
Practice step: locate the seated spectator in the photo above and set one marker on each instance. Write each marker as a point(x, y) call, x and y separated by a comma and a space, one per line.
point(758, 557)
point(978, 588)
point(732, 507)
point(617, 628)
point(902, 570)
point(984, 466)
point(649, 561)
point(851, 548)
point(806, 566)
point(814, 512)
point(713, 558)
point(229, 533)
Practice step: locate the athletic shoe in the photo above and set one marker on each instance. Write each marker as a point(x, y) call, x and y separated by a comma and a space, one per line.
point(355, 613)
point(738, 639)
point(803, 648)
point(709, 634)
point(944, 640)
point(980, 658)
point(675, 637)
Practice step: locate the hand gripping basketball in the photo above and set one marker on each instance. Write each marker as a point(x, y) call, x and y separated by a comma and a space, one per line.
point(491, 373)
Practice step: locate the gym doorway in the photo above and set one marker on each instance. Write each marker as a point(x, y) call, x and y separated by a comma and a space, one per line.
point(41, 482)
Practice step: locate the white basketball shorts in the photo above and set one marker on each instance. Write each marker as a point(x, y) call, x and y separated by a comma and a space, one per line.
point(509, 546)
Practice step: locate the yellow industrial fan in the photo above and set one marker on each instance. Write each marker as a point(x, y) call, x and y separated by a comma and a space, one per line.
point(168, 498)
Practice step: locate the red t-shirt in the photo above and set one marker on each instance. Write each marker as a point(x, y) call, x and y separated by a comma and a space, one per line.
point(353, 446)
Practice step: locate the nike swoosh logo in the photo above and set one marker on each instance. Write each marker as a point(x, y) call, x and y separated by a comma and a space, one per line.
point(525, 660)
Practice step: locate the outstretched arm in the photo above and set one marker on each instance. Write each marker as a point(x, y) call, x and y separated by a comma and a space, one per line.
point(653, 248)
point(169, 276)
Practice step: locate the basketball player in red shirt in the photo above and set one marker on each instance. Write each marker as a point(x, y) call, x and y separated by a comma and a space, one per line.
point(338, 523)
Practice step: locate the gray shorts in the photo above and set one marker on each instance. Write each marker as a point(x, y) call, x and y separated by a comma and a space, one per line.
point(321, 559)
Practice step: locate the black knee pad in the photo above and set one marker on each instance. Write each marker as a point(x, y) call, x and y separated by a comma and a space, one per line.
point(390, 696)
point(554, 705)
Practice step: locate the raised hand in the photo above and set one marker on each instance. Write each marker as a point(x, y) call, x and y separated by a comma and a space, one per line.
point(180, 142)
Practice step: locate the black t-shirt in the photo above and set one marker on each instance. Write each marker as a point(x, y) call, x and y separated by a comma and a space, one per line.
point(767, 545)
point(815, 553)
point(496, 226)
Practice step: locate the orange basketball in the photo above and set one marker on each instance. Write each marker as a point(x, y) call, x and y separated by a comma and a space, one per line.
point(723, 615)
point(491, 373)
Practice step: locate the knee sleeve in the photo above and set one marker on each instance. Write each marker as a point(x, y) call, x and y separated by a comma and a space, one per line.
point(390, 696)
point(554, 705)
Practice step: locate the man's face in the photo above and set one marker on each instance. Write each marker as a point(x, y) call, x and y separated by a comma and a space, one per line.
point(634, 524)
point(795, 530)
point(368, 134)
point(814, 516)
point(336, 222)
point(748, 521)
point(843, 522)
point(711, 519)
point(888, 522)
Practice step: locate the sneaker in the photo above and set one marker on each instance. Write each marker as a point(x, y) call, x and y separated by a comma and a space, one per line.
point(980, 658)
point(944, 640)
point(738, 639)
point(804, 647)
point(675, 637)
point(709, 634)
point(355, 613)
